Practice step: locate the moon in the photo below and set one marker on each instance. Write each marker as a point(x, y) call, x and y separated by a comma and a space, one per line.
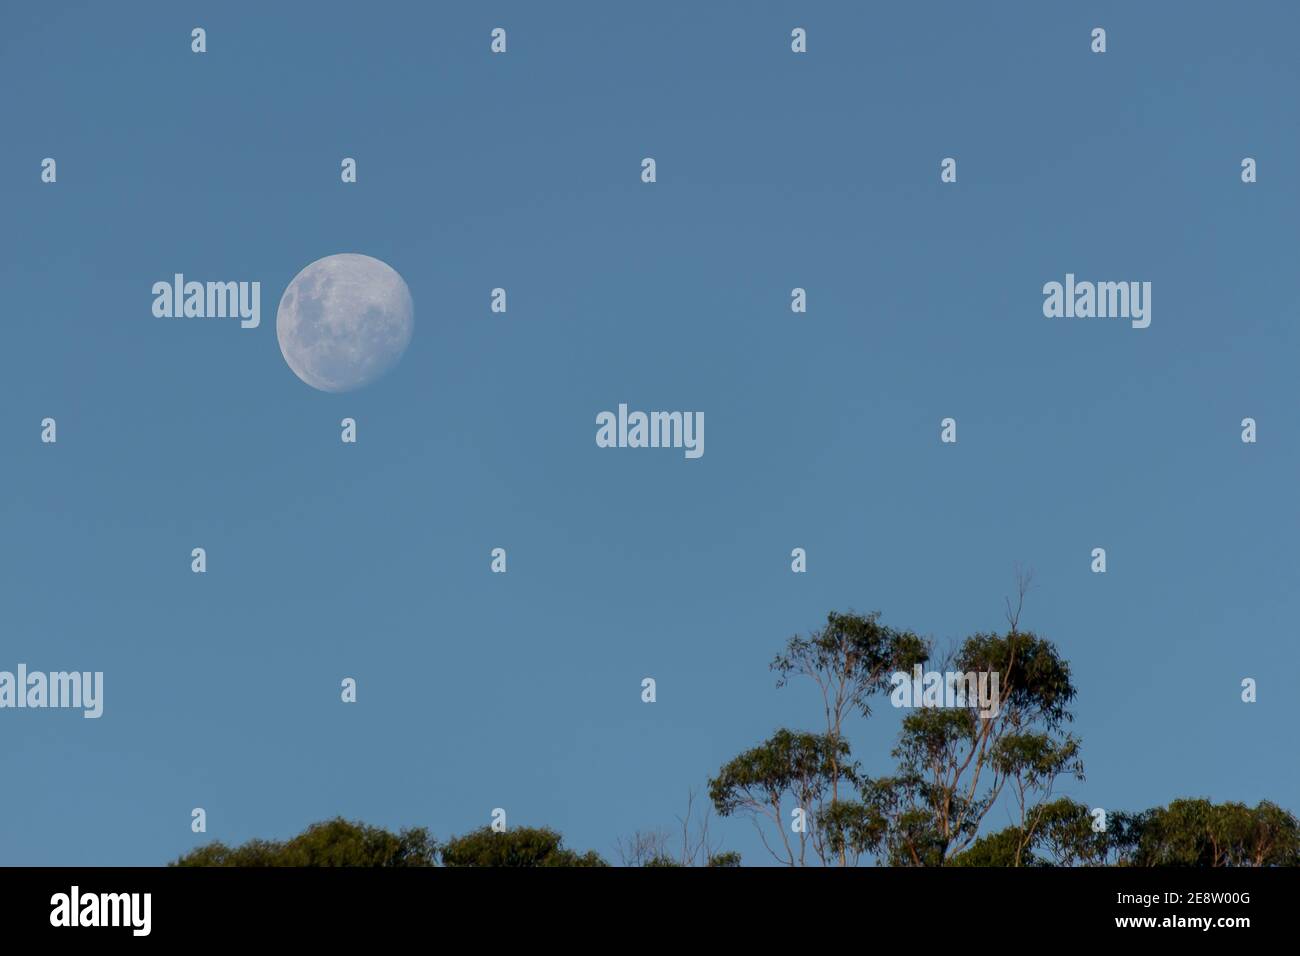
point(344, 321)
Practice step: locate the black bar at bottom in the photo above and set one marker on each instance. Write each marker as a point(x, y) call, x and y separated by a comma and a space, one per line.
point(331, 906)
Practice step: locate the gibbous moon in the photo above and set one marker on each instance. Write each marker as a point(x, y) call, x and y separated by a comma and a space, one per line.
point(344, 321)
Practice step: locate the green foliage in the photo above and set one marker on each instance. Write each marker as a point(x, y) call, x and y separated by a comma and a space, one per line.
point(788, 762)
point(336, 842)
point(721, 859)
point(790, 767)
point(1185, 833)
point(340, 842)
point(519, 846)
point(853, 827)
point(913, 839)
point(955, 762)
point(1201, 833)
point(850, 659)
point(853, 657)
point(1003, 848)
point(1038, 757)
point(1035, 678)
point(1066, 836)
point(1060, 833)
point(729, 859)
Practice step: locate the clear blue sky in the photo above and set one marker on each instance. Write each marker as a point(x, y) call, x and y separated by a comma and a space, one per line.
point(522, 690)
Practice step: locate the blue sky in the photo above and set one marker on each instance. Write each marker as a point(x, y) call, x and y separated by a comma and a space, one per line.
point(522, 690)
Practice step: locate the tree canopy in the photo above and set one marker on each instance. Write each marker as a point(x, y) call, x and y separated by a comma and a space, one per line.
point(990, 730)
point(340, 842)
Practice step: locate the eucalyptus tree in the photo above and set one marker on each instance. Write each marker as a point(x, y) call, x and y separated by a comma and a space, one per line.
point(850, 660)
